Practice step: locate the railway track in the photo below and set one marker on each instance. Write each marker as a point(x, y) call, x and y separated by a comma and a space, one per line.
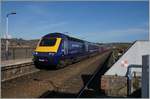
point(65, 82)
point(90, 88)
point(74, 88)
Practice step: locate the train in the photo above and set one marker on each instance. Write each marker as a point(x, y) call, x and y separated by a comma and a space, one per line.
point(59, 50)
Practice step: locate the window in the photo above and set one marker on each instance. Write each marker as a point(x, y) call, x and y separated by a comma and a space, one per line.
point(48, 42)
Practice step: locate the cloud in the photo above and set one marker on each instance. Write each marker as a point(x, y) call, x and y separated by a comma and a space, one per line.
point(117, 35)
point(123, 32)
point(36, 9)
point(129, 31)
point(8, 36)
point(50, 26)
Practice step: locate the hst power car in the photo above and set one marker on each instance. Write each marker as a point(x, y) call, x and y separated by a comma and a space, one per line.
point(57, 49)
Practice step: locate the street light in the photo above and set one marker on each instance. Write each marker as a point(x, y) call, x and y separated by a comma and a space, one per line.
point(7, 42)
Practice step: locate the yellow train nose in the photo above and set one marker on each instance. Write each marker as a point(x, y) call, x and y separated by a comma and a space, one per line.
point(53, 48)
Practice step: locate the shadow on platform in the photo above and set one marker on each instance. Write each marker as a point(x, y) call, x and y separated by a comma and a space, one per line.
point(92, 91)
point(53, 94)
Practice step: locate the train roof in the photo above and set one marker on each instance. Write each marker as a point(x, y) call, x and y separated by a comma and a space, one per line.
point(57, 34)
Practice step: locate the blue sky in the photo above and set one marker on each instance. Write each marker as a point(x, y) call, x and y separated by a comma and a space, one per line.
point(92, 21)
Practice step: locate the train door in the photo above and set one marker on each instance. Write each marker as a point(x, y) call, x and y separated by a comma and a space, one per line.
point(86, 46)
point(65, 46)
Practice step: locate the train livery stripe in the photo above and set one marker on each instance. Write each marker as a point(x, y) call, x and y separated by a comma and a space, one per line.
point(49, 49)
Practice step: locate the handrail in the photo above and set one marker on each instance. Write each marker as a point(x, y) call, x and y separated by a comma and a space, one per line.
point(129, 77)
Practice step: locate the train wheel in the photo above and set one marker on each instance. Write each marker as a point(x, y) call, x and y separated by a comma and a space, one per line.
point(61, 64)
point(69, 61)
point(37, 65)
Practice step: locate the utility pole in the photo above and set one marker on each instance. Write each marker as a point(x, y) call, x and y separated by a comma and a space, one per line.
point(7, 42)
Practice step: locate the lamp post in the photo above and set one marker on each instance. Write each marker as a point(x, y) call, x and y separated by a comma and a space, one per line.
point(7, 42)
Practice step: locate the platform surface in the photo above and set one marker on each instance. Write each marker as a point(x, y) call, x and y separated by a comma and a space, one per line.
point(15, 62)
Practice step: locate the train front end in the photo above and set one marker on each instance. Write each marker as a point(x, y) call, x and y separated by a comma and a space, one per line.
point(47, 51)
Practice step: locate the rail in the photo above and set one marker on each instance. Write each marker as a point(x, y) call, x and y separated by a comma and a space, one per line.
point(91, 79)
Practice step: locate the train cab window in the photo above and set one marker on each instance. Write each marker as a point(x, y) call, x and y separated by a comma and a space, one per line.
point(48, 42)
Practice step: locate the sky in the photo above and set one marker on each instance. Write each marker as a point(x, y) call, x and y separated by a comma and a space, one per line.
point(99, 21)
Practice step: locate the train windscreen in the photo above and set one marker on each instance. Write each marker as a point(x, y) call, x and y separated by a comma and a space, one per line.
point(48, 42)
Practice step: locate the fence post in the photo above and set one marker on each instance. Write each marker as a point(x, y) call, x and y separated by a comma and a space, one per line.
point(145, 75)
point(13, 50)
point(26, 53)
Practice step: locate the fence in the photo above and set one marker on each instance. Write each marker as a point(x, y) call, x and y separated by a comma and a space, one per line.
point(17, 53)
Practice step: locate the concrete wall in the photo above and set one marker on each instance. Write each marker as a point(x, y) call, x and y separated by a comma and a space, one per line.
point(114, 85)
point(117, 86)
point(16, 70)
point(133, 57)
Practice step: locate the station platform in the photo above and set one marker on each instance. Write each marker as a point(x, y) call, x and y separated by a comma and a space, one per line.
point(15, 62)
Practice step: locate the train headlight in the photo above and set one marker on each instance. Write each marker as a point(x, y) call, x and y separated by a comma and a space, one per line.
point(52, 54)
point(35, 53)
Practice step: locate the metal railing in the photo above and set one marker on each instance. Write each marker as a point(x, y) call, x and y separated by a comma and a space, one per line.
point(17, 53)
point(130, 77)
